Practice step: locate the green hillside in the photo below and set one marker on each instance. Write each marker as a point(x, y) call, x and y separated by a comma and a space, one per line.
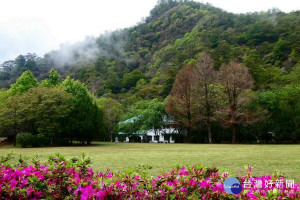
point(175, 33)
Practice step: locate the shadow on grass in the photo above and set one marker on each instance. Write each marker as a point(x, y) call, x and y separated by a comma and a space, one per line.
point(94, 144)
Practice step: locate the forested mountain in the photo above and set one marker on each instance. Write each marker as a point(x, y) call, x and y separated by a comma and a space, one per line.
point(175, 33)
point(141, 62)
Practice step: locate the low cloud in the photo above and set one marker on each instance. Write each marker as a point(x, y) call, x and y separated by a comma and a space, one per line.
point(19, 37)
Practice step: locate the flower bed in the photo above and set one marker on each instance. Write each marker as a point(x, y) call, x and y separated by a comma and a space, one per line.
point(62, 179)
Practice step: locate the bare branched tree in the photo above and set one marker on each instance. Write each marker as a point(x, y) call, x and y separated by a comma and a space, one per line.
point(208, 90)
point(183, 101)
point(236, 79)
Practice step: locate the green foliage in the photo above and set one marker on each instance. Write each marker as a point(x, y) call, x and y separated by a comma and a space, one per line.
point(24, 83)
point(3, 96)
point(53, 79)
point(20, 61)
point(25, 139)
point(112, 111)
point(52, 113)
point(143, 116)
point(175, 33)
point(294, 76)
point(85, 119)
point(130, 79)
point(39, 110)
point(152, 115)
point(75, 88)
point(284, 105)
point(140, 83)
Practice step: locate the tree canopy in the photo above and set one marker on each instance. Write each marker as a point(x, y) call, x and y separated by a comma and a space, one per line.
point(65, 111)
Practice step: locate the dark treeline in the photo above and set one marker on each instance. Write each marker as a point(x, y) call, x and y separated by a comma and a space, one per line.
point(130, 69)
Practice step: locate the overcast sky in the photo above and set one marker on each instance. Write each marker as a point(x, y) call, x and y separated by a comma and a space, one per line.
point(39, 26)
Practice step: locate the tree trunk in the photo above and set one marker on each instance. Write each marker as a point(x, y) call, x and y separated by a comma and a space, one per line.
point(233, 134)
point(189, 129)
point(295, 134)
point(15, 140)
point(188, 134)
point(15, 130)
point(294, 138)
point(207, 106)
point(110, 134)
point(51, 143)
point(209, 133)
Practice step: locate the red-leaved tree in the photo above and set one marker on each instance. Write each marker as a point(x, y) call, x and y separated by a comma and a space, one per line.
point(235, 79)
point(209, 90)
point(183, 100)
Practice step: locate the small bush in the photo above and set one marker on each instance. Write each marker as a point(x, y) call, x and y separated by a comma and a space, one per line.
point(25, 139)
point(29, 140)
point(42, 140)
point(35, 141)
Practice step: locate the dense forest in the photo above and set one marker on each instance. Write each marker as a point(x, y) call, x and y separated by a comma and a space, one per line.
point(222, 77)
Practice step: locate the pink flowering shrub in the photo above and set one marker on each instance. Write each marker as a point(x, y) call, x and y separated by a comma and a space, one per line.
point(62, 179)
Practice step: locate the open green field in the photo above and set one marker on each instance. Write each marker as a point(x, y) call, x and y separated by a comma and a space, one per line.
point(264, 159)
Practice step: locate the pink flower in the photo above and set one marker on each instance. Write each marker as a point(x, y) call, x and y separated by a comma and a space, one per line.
point(252, 196)
point(13, 183)
point(193, 182)
point(109, 175)
point(204, 184)
point(29, 190)
point(38, 194)
point(169, 183)
point(218, 187)
point(85, 185)
point(183, 171)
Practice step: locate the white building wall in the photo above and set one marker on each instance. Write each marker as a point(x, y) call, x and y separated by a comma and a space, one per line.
point(160, 134)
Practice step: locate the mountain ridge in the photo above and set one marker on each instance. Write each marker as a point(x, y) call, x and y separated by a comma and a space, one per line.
point(175, 33)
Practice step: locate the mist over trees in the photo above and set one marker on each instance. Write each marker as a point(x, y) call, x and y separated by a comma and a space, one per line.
point(224, 77)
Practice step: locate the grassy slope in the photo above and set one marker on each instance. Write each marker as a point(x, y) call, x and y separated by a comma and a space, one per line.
point(264, 159)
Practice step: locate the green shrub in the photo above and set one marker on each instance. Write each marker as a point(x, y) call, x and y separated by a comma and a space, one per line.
point(29, 140)
point(35, 141)
point(25, 139)
point(43, 140)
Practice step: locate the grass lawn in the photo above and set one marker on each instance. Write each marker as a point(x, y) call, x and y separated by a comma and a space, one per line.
point(264, 159)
